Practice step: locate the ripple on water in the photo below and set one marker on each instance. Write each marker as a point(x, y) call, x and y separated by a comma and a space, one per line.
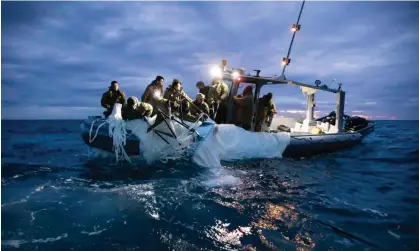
point(273, 204)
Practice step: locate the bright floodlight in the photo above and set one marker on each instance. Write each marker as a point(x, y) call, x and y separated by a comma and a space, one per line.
point(235, 74)
point(157, 94)
point(216, 71)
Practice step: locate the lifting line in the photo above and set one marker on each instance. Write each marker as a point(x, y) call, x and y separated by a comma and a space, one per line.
point(296, 27)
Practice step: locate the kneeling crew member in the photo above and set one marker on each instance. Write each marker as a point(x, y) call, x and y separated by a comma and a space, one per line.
point(199, 106)
point(136, 110)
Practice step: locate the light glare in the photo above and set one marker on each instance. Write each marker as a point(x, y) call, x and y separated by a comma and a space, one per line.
point(216, 72)
point(235, 74)
point(157, 94)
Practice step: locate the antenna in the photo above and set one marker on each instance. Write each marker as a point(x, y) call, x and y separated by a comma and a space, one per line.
point(295, 27)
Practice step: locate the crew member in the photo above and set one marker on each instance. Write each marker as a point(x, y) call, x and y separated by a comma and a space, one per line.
point(153, 94)
point(271, 109)
point(136, 110)
point(266, 111)
point(244, 108)
point(204, 89)
point(198, 106)
point(218, 96)
point(177, 97)
point(111, 97)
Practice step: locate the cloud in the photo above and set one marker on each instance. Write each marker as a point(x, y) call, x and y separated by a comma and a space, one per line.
point(59, 57)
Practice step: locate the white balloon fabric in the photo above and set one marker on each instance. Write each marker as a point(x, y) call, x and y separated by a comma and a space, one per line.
point(230, 143)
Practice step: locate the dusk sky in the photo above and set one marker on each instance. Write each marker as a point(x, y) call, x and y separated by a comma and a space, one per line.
point(59, 57)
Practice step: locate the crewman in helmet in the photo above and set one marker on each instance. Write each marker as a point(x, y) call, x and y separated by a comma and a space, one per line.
point(199, 105)
point(244, 108)
point(111, 97)
point(218, 97)
point(177, 97)
point(136, 110)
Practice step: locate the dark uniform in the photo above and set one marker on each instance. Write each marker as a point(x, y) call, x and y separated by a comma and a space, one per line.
point(148, 95)
point(244, 110)
point(110, 98)
point(205, 90)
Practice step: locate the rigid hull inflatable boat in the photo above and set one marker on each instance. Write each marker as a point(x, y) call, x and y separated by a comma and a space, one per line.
point(300, 145)
point(307, 137)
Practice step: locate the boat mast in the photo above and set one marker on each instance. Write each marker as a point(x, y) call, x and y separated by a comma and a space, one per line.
point(295, 27)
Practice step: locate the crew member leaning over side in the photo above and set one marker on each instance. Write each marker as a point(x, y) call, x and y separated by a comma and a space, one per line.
point(111, 97)
point(198, 106)
point(136, 110)
point(177, 97)
point(218, 96)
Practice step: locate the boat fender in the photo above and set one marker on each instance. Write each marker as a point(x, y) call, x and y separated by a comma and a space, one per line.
point(316, 130)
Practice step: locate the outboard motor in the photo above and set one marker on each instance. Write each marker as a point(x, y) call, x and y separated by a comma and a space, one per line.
point(356, 123)
point(351, 123)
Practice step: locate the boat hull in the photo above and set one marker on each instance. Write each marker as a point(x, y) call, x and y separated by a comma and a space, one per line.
point(300, 145)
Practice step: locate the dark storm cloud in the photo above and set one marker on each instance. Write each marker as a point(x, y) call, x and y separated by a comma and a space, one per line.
point(59, 57)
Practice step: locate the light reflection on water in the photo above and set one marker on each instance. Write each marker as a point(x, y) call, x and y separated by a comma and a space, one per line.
point(54, 198)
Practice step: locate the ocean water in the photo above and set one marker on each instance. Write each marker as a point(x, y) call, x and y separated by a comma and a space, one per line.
point(54, 196)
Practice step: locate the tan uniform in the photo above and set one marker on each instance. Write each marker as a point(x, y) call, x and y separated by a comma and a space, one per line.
point(265, 110)
point(271, 108)
point(218, 92)
point(202, 107)
point(140, 111)
point(145, 109)
point(176, 98)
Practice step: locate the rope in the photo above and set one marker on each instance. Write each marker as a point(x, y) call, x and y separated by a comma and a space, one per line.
point(190, 102)
point(97, 131)
point(216, 110)
point(119, 139)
